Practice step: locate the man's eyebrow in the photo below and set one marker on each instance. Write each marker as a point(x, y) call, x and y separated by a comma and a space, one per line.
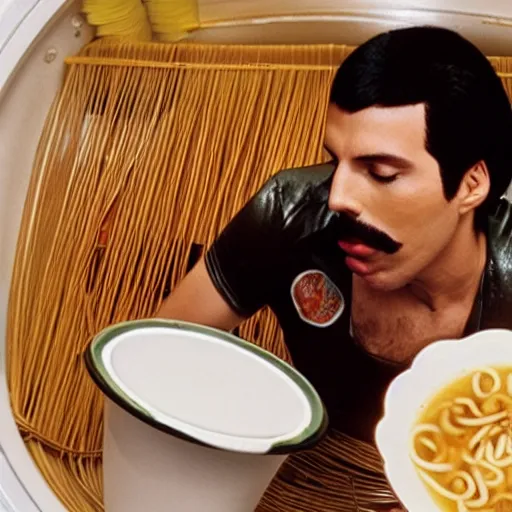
point(386, 159)
point(396, 161)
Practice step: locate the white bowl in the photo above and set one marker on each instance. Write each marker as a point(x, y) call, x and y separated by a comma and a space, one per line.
point(433, 368)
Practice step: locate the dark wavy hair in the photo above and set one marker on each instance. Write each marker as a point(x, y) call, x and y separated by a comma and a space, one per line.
point(468, 114)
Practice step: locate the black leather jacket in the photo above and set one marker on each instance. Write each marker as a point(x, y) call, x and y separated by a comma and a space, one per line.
point(285, 232)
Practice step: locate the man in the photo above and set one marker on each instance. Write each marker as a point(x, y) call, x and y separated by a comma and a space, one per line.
point(393, 244)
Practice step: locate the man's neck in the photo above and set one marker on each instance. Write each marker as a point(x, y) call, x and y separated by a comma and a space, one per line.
point(454, 277)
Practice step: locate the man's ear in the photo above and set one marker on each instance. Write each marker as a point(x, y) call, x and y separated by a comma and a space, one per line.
point(474, 187)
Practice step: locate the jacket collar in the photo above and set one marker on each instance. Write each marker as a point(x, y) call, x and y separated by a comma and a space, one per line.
point(493, 304)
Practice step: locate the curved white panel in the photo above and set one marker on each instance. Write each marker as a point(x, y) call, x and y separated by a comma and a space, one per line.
point(491, 31)
point(35, 36)
point(21, 21)
point(28, 85)
point(222, 9)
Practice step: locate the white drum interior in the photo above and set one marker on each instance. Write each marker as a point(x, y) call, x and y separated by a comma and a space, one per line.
point(31, 30)
point(193, 380)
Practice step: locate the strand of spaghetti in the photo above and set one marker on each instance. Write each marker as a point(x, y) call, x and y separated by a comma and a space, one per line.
point(30, 432)
point(92, 61)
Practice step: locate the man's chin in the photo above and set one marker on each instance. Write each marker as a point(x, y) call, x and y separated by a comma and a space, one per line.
point(382, 281)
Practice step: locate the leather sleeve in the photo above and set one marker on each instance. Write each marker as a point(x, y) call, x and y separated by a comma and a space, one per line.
point(496, 299)
point(244, 259)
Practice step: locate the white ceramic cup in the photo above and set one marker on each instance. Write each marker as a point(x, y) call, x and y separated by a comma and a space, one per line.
point(196, 419)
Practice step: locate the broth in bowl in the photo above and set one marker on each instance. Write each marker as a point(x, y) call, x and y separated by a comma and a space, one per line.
point(461, 444)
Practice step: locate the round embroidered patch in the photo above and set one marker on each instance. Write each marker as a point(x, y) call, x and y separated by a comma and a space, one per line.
point(317, 299)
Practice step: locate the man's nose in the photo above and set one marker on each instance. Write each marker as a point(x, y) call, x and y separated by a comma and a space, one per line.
point(345, 189)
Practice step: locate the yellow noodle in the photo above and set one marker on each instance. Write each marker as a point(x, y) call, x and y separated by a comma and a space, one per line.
point(470, 404)
point(500, 446)
point(477, 378)
point(492, 404)
point(479, 436)
point(478, 447)
point(469, 491)
point(485, 420)
point(499, 475)
point(425, 441)
point(483, 491)
point(446, 424)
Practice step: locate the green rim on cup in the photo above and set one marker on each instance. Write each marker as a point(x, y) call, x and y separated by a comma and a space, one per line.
point(206, 386)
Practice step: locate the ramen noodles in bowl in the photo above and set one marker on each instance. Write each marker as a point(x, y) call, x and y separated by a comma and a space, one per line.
point(462, 443)
point(446, 434)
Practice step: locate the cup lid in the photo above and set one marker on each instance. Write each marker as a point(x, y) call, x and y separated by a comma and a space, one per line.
point(206, 386)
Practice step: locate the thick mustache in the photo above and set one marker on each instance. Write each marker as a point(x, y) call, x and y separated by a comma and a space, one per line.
point(349, 227)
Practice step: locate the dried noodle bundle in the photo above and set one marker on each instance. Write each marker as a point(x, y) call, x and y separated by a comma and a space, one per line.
point(147, 153)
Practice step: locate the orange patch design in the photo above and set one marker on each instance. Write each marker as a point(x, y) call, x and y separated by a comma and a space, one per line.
point(317, 299)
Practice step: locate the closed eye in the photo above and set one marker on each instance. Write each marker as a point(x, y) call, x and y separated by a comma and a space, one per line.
point(370, 163)
point(383, 179)
point(377, 175)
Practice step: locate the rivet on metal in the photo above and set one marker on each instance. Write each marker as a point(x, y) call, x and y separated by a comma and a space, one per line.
point(50, 55)
point(77, 23)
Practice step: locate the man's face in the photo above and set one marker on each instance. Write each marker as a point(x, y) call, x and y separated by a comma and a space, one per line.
point(386, 179)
